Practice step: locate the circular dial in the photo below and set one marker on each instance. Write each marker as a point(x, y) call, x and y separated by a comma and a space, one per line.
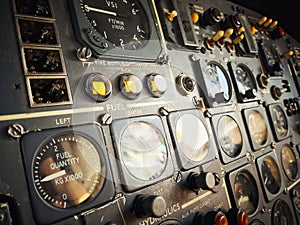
point(270, 53)
point(229, 136)
point(289, 162)
point(68, 170)
point(271, 175)
point(143, 150)
point(281, 214)
point(192, 137)
point(123, 23)
point(280, 121)
point(244, 78)
point(257, 127)
point(256, 222)
point(246, 191)
point(217, 82)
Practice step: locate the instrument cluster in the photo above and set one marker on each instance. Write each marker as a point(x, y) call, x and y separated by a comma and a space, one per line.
point(163, 112)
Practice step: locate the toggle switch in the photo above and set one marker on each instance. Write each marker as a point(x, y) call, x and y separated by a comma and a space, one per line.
point(238, 39)
point(228, 32)
point(218, 35)
point(171, 15)
point(262, 20)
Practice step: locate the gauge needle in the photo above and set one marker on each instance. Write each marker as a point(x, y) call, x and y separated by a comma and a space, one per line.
point(53, 176)
point(88, 8)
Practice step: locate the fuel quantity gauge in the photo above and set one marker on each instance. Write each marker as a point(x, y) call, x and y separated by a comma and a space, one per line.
point(67, 171)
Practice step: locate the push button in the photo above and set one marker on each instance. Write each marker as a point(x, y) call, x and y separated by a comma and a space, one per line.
point(98, 87)
point(157, 84)
point(130, 85)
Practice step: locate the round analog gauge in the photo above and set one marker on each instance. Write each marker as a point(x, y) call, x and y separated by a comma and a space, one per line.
point(296, 199)
point(280, 121)
point(256, 222)
point(271, 175)
point(217, 82)
point(289, 162)
point(281, 214)
point(270, 53)
point(229, 136)
point(124, 23)
point(246, 191)
point(257, 127)
point(68, 170)
point(245, 81)
point(192, 137)
point(143, 150)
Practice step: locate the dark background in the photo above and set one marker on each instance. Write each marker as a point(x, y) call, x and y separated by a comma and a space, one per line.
point(286, 12)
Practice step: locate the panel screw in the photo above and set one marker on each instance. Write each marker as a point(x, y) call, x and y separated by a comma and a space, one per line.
point(105, 119)
point(104, 45)
point(16, 130)
point(164, 111)
point(84, 54)
point(207, 114)
point(177, 177)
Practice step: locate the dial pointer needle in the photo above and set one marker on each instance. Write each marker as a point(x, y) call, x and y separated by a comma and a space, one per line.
point(88, 8)
point(53, 176)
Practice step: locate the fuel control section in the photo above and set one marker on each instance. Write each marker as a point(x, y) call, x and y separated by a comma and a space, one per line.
point(147, 112)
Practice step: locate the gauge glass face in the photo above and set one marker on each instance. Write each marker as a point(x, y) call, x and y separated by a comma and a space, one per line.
point(68, 170)
point(289, 162)
point(216, 81)
point(271, 174)
point(246, 191)
point(279, 121)
point(123, 23)
point(257, 127)
point(257, 222)
point(281, 214)
point(270, 53)
point(192, 137)
point(244, 79)
point(143, 150)
point(229, 136)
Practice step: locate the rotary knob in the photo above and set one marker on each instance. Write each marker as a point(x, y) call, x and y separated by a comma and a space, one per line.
point(149, 206)
point(205, 181)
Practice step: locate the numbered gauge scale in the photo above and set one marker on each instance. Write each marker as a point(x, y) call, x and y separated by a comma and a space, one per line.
point(67, 172)
point(119, 28)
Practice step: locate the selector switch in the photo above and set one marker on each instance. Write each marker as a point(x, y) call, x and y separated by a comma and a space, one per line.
point(149, 206)
point(205, 181)
point(130, 85)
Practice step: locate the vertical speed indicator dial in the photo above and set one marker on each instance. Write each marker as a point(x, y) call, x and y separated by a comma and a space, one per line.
point(123, 23)
point(67, 170)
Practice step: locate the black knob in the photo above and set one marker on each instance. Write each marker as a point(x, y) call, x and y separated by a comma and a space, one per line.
point(206, 181)
point(149, 206)
point(233, 21)
point(250, 93)
point(211, 16)
point(278, 66)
